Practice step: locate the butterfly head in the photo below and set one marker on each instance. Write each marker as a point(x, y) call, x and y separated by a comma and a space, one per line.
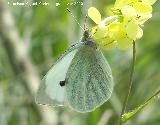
point(85, 35)
point(87, 40)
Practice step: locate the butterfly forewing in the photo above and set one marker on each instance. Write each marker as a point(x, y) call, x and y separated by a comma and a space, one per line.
point(89, 81)
point(51, 91)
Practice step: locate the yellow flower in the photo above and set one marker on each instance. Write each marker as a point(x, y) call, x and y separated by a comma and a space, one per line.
point(100, 32)
point(124, 27)
point(139, 9)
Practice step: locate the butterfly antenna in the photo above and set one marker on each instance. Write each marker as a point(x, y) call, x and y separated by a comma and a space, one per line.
point(75, 19)
point(85, 22)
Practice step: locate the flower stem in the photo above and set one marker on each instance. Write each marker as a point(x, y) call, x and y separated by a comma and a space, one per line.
point(130, 83)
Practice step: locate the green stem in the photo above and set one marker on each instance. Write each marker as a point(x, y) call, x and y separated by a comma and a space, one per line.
point(130, 83)
point(133, 112)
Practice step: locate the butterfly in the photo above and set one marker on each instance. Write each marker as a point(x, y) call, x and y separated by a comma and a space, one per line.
point(81, 79)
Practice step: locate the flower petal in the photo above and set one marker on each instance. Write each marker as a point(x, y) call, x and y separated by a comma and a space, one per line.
point(109, 20)
point(107, 43)
point(142, 7)
point(94, 14)
point(132, 29)
point(139, 33)
point(99, 31)
point(119, 3)
point(128, 11)
point(143, 18)
point(150, 2)
point(124, 43)
point(115, 30)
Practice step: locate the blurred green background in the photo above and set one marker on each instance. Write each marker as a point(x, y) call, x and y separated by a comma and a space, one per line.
point(31, 40)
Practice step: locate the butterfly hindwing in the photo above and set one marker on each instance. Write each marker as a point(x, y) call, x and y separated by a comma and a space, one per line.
point(89, 81)
point(51, 92)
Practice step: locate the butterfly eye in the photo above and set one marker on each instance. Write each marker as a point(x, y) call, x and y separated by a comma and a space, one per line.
point(62, 83)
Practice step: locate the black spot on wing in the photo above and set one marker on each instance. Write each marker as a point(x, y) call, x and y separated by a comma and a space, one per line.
point(62, 83)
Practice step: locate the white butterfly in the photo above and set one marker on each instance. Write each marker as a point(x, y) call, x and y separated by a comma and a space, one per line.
point(81, 79)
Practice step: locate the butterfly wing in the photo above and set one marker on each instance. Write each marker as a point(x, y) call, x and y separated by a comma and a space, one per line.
point(50, 91)
point(89, 81)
